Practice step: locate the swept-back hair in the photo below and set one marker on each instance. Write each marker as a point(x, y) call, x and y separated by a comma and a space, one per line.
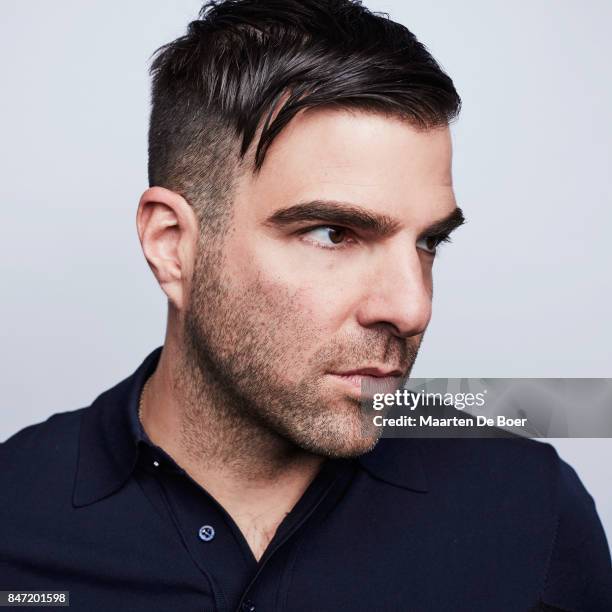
point(245, 65)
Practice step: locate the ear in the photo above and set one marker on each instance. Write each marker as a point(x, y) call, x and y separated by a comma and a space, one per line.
point(168, 231)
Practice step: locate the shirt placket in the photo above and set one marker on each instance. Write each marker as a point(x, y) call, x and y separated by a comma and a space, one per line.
point(209, 536)
point(217, 546)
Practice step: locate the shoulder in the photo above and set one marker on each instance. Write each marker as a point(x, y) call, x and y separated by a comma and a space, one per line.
point(515, 473)
point(40, 455)
point(509, 460)
point(521, 468)
point(526, 487)
point(46, 435)
point(517, 481)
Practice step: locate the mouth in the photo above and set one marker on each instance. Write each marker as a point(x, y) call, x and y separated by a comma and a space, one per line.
point(369, 380)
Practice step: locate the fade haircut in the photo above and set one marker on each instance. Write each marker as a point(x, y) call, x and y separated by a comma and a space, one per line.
point(246, 67)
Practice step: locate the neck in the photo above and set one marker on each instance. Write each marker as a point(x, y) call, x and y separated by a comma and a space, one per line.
point(254, 473)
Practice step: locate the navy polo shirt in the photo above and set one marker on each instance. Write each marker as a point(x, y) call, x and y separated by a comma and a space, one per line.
point(90, 505)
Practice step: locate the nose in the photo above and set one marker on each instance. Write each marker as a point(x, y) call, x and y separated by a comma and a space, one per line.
point(398, 294)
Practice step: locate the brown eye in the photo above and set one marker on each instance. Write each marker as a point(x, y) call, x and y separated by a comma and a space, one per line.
point(431, 243)
point(337, 234)
point(329, 236)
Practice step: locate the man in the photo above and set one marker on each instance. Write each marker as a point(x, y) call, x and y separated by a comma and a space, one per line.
point(300, 172)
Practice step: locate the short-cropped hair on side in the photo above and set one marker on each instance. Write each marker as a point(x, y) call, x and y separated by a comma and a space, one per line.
point(246, 67)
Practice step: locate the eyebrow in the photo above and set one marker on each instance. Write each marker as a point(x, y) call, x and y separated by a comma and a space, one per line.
point(446, 225)
point(343, 214)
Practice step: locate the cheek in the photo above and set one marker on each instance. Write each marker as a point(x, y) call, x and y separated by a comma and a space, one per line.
point(301, 314)
point(302, 281)
point(300, 308)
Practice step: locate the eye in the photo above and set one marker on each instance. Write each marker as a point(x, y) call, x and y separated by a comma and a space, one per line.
point(327, 236)
point(429, 244)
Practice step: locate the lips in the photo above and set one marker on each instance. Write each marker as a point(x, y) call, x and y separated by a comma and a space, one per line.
point(370, 379)
point(370, 371)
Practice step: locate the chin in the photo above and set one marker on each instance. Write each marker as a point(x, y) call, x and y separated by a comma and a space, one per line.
point(348, 449)
point(339, 439)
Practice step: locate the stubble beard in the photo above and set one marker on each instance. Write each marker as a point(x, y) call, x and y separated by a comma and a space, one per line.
point(241, 345)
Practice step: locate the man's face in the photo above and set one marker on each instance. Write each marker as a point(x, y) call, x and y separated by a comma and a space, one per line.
point(325, 275)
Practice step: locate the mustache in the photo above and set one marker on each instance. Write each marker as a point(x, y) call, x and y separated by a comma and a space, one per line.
point(350, 352)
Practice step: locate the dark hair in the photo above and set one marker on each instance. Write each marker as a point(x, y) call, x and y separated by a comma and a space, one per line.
point(246, 64)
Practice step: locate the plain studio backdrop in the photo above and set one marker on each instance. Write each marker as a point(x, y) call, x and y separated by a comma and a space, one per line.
point(524, 290)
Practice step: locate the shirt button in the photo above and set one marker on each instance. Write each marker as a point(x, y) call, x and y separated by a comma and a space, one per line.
point(248, 606)
point(206, 533)
point(156, 463)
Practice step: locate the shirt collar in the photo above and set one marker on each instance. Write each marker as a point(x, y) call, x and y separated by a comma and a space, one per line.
point(109, 437)
point(111, 433)
point(397, 461)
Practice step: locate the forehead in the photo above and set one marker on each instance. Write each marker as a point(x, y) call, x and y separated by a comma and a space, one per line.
point(373, 160)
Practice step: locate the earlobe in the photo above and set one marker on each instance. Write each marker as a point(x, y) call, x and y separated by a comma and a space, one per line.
point(167, 230)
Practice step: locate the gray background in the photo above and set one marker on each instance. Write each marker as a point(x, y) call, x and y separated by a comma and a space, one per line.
point(523, 292)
